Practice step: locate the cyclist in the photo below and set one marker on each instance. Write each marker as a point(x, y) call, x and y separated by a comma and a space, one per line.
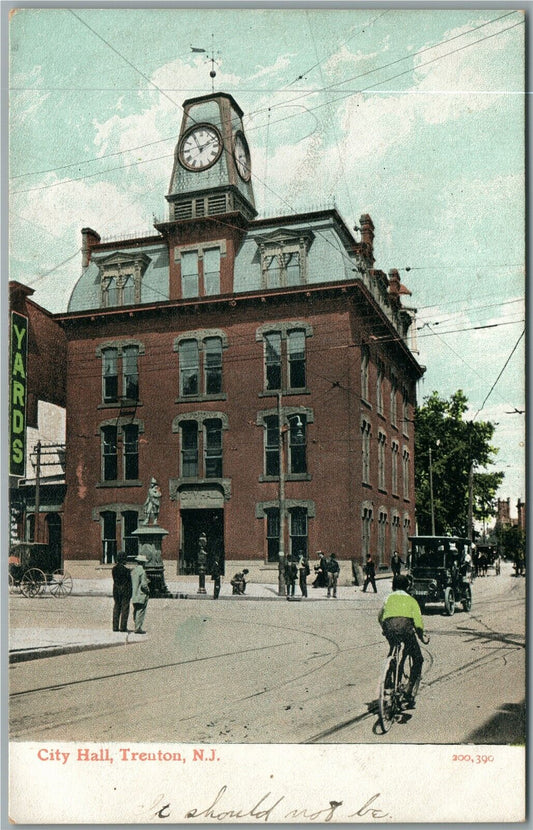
point(401, 621)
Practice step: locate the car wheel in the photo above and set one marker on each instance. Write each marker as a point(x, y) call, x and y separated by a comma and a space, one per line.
point(467, 598)
point(449, 601)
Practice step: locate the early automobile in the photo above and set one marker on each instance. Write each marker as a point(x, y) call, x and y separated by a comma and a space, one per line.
point(439, 567)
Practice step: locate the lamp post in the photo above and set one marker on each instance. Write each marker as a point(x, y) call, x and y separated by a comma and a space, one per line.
point(202, 561)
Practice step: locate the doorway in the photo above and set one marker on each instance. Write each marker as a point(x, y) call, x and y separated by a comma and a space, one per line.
point(53, 521)
point(193, 523)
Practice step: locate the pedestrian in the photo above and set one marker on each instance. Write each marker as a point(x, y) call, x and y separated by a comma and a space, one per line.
point(140, 592)
point(370, 574)
point(396, 563)
point(332, 569)
point(303, 573)
point(215, 576)
point(321, 579)
point(291, 572)
point(122, 589)
point(238, 583)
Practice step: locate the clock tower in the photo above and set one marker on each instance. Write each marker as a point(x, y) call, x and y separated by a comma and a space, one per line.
point(212, 168)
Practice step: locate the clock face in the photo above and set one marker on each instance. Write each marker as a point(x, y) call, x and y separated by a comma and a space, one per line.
point(242, 157)
point(200, 147)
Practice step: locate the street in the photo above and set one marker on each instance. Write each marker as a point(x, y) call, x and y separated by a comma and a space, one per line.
point(273, 672)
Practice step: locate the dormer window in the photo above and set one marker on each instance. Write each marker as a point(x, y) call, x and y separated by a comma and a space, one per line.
point(121, 277)
point(284, 258)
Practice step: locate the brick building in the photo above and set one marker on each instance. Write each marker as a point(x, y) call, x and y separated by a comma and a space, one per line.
point(503, 514)
point(260, 369)
point(40, 489)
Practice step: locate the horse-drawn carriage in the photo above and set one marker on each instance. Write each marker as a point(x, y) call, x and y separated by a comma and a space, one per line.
point(485, 557)
point(33, 568)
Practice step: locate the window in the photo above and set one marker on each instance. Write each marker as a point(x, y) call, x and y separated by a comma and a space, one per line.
point(130, 372)
point(120, 452)
point(366, 524)
point(365, 360)
point(110, 375)
point(405, 413)
point(393, 400)
point(379, 387)
point(109, 537)
point(189, 274)
point(109, 453)
point(189, 449)
point(382, 439)
point(297, 445)
point(200, 363)
point(405, 472)
point(272, 533)
point(200, 444)
point(121, 276)
point(395, 527)
point(394, 467)
point(298, 531)
point(131, 451)
point(200, 269)
point(120, 372)
point(406, 534)
point(130, 523)
point(117, 533)
point(382, 528)
point(273, 361)
point(212, 271)
point(213, 448)
point(365, 436)
point(296, 355)
point(294, 430)
point(284, 258)
point(284, 350)
point(189, 367)
point(272, 446)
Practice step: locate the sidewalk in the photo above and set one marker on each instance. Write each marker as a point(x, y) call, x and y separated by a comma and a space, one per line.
point(34, 643)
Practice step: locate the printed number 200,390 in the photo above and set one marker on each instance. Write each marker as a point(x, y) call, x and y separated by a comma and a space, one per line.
point(474, 759)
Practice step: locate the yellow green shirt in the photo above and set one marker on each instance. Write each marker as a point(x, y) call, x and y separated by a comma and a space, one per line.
point(401, 604)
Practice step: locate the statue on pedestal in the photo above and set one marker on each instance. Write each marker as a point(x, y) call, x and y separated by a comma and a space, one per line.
point(152, 503)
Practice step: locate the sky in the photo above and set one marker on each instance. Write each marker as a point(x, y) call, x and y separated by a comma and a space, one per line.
point(414, 116)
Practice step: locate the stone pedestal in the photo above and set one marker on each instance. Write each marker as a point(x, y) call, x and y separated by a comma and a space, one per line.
point(150, 543)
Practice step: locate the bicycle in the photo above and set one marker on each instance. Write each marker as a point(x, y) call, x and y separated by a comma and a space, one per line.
point(394, 684)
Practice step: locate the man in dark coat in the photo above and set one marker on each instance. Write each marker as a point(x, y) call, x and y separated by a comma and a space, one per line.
point(333, 570)
point(215, 576)
point(396, 563)
point(121, 593)
point(370, 574)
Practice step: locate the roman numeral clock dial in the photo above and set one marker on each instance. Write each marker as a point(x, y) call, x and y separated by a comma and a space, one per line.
point(200, 147)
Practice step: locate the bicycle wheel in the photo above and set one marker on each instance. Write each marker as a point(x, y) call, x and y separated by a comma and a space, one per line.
point(388, 694)
point(32, 583)
point(60, 584)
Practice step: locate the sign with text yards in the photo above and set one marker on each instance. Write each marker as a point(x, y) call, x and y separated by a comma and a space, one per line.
point(17, 394)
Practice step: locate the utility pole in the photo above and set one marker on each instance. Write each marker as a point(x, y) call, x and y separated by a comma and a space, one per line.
point(471, 502)
point(281, 549)
point(37, 524)
point(431, 495)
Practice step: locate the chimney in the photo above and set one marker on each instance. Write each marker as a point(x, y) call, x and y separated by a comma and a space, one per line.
point(89, 239)
point(367, 235)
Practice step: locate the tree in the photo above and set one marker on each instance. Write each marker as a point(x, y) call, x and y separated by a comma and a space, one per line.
point(456, 446)
point(511, 541)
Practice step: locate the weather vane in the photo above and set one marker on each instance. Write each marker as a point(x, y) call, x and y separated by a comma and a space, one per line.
point(212, 73)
